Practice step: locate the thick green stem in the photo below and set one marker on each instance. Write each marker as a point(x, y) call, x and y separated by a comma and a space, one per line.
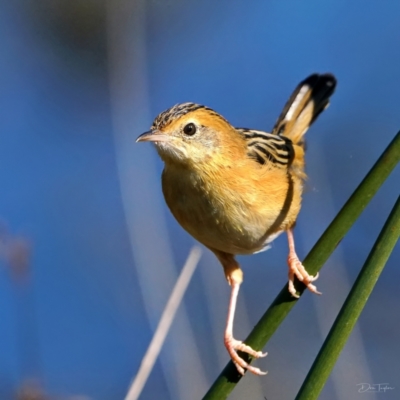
point(352, 308)
point(314, 261)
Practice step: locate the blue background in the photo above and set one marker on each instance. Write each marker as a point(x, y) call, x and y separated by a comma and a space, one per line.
point(77, 318)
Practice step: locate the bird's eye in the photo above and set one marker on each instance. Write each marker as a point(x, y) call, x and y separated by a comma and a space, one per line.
point(189, 129)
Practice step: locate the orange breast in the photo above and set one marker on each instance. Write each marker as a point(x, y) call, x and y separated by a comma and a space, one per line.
point(232, 210)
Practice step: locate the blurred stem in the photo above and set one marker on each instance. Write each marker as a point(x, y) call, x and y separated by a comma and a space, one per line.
point(352, 308)
point(314, 261)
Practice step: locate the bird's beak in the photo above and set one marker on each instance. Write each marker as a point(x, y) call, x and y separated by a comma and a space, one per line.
point(153, 136)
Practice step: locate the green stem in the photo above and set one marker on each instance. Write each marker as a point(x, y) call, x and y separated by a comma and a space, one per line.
point(314, 261)
point(352, 308)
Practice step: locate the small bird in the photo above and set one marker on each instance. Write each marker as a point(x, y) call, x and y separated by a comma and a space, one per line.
point(236, 189)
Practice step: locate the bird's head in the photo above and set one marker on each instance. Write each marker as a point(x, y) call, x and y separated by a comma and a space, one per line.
point(190, 133)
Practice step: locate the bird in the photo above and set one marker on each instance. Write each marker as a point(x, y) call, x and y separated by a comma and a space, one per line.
point(236, 189)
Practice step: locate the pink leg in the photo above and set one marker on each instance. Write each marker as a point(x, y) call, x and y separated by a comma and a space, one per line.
point(297, 269)
point(233, 345)
point(234, 275)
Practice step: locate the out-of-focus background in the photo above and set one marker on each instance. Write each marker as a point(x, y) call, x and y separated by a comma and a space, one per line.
point(89, 251)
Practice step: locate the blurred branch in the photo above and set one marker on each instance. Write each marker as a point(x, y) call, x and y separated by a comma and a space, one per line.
point(352, 307)
point(314, 261)
point(165, 323)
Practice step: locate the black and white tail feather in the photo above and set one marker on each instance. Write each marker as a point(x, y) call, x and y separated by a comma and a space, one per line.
point(309, 99)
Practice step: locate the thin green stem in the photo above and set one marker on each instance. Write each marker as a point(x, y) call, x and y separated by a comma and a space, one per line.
point(314, 261)
point(352, 308)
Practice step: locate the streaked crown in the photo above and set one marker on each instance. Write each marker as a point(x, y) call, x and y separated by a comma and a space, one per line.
point(179, 110)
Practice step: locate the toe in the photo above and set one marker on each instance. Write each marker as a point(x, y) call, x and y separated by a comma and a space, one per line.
point(247, 349)
point(233, 346)
point(313, 288)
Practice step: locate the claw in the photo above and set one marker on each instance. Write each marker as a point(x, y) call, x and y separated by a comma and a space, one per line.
point(233, 346)
point(297, 269)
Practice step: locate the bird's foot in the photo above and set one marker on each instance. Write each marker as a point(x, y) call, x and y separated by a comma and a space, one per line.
point(296, 269)
point(233, 346)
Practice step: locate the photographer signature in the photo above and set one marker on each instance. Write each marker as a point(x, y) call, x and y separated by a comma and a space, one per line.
point(373, 387)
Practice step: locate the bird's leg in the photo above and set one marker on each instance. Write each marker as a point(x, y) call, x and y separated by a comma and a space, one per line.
point(233, 345)
point(297, 269)
point(234, 275)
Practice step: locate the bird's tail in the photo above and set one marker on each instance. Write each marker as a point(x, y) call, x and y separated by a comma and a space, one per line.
point(309, 99)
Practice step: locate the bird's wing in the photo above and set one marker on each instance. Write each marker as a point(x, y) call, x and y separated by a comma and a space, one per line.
point(266, 147)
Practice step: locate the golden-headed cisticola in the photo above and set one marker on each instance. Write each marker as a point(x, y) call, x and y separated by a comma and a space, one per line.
point(234, 189)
